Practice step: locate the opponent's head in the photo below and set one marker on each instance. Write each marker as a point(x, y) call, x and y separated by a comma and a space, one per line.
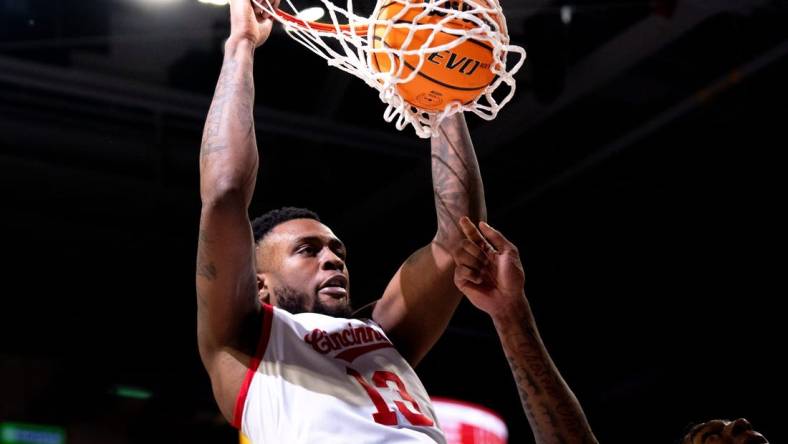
point(300, 263)
point(723, 431)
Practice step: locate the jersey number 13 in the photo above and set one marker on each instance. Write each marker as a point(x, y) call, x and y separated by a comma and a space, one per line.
point(384, 415)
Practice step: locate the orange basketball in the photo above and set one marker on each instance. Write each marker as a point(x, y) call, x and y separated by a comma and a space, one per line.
point(459, 74)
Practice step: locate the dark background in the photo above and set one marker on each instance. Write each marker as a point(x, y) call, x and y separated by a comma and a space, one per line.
point(637, 168)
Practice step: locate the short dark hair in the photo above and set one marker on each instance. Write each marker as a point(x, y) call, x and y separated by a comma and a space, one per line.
point(688, 431)
point(267, 221)
point(692, 429)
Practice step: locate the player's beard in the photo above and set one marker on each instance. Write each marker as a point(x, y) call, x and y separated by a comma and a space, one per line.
point(294, 301)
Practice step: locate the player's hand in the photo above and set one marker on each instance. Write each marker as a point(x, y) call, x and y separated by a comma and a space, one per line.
point(488, 270)
point(250, 22)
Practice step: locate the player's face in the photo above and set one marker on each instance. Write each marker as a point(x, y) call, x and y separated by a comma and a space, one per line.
point(720, 431)
point(304, 268)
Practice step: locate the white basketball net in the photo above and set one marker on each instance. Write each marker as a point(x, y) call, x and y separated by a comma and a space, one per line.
point(347, 43)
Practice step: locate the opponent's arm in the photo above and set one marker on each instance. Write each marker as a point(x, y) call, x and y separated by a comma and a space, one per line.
point(226, 284)
point(489, 272)
point(421, 298)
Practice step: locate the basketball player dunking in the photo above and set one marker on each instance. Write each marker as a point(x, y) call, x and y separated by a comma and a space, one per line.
point(297, 375)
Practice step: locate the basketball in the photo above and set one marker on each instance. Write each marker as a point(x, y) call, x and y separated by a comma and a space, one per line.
point(460, 74)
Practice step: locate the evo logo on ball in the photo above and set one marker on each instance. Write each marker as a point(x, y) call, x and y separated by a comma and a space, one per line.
point(466, 65)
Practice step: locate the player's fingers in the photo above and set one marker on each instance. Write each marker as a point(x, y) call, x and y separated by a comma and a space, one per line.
point(259, 7)
point(471, 232)
point(495, 238)
point(263, 9)
point(239, 8)
point(465, 273)
point(467, 258)
point(473, 249)
point(468, 288)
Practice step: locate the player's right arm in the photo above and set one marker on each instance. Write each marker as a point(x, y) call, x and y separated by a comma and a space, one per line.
point(227, 308)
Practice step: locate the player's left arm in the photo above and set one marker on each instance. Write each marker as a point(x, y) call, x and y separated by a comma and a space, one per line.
point(421, 297)
point(490, 273)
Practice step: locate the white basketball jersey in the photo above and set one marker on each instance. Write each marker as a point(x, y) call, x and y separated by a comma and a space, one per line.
point(318, 379)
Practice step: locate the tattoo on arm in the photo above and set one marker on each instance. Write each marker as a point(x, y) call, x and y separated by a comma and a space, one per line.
point(455, 179)
point(234, 90)
point(553, 412)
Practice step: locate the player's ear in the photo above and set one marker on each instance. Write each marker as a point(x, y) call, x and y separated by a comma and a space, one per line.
point(263, 291)
point(263, 282)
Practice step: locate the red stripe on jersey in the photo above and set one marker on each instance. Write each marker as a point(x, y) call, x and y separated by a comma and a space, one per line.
point(262, 344)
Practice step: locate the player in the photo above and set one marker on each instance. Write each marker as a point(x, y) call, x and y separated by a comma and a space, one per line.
point(304, 376)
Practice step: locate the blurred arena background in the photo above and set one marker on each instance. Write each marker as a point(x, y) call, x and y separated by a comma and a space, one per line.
point(637, 168)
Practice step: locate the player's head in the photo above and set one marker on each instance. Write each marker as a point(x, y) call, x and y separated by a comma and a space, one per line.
point(300, 263)
point(723, 431)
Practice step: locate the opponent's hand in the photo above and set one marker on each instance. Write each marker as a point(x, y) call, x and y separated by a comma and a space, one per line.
point(488, 270)
point(248, 21)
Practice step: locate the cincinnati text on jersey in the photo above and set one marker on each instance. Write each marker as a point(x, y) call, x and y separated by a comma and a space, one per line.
point(349, 342)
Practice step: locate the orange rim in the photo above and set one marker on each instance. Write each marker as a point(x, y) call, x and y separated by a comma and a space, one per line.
point(318, 26)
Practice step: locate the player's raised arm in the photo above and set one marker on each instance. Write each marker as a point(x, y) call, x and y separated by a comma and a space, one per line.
point(489, 272)
point(225, 278)
point(421, 298)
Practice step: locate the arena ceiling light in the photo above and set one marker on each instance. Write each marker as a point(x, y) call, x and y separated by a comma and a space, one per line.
point(158, 3)
point(308, 14)
point(311, 14)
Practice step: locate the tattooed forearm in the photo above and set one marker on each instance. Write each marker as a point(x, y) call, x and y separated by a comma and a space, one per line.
point(234, 91)
point(552, 410)
point(228, 154)
point(456, 180)
point(211, 139)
